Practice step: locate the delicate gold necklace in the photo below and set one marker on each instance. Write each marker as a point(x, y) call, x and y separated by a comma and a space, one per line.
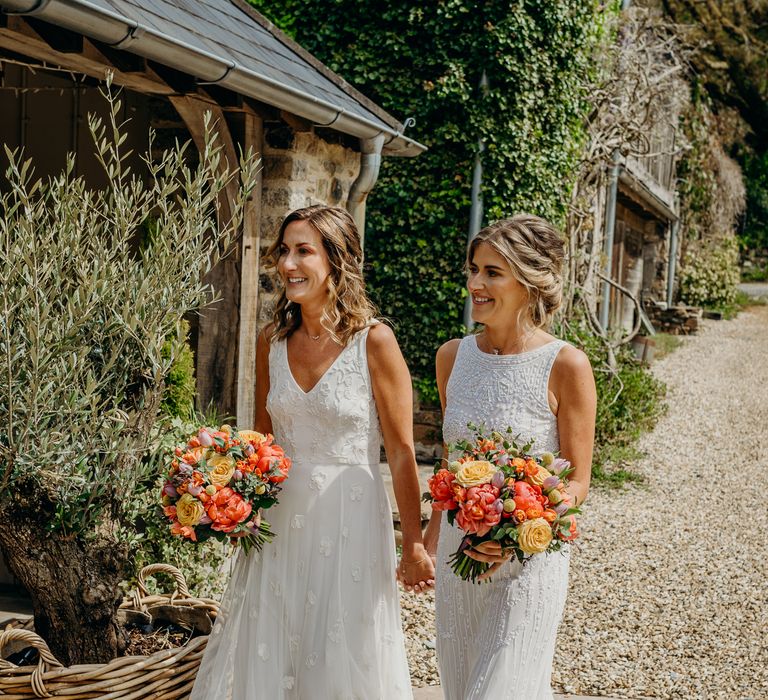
point(523, 343)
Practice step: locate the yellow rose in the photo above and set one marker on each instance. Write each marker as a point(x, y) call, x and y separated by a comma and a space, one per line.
point(538, 478)
point(475, 473)
point(222, 468)
point(251, 436)
point(534, 536)
point(189, 510)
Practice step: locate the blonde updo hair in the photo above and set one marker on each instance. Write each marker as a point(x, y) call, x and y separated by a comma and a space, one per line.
point(348, 309)
point(535, 251)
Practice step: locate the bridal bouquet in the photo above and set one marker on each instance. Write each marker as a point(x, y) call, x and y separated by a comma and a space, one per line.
point(219, 481)
point(497, 491)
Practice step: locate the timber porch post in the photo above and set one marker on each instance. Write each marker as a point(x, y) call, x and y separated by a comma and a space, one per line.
point(226, 347)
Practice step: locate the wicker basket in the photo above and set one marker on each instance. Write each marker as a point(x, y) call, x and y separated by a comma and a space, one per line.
point(164, 675)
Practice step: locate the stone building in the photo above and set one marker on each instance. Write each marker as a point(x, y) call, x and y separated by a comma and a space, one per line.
point(320, 141)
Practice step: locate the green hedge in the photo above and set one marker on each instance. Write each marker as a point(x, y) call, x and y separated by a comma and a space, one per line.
point(425, 60)
point(755, 226)
point(710, 275)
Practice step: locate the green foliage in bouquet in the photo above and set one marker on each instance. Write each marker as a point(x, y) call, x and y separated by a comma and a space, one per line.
point(85, 316)
point(205, 566)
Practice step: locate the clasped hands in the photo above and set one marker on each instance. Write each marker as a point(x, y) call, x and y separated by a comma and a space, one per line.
point(416, 570)
point(418, 575)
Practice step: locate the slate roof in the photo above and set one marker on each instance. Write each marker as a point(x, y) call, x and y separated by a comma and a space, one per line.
point(233, 32)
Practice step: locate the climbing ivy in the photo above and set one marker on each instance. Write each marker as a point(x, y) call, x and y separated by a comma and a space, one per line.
point(755, 229)
point(425, 60)
point(712, 198)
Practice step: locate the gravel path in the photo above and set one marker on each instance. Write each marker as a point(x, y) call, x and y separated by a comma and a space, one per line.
point(668, 595)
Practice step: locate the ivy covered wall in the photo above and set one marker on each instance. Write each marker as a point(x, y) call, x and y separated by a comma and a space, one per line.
point(425, 60)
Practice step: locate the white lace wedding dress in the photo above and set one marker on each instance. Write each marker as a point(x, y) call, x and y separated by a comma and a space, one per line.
point(496, 640)
point(316, 615)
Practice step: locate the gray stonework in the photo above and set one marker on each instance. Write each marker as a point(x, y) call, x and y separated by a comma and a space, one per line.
point(299, 169)
point(675, 320)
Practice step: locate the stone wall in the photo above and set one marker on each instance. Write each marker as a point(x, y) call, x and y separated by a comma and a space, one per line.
point(675, 320)
point(299, 169)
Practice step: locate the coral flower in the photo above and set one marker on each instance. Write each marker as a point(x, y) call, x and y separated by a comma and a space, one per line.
point(441, 488)
point(478, 514)
point(184, 531)
point(568, 528)
point(283, 467)
point(266, 455)
point(526, 497)
point(549, 515)
point(227, 510)
point(193, 456)
point(518, 464)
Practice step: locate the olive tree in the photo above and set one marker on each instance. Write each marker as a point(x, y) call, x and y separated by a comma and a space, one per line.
point(88, 298)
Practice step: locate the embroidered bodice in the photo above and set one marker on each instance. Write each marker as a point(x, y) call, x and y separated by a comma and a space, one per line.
point(501, 391)
point(336, 421)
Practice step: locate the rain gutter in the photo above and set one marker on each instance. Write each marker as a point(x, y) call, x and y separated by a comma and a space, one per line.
point(370, 162)
point(127, 34)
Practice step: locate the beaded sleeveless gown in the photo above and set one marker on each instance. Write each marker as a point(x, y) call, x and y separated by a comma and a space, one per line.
point(496, 640)
point(316, 615)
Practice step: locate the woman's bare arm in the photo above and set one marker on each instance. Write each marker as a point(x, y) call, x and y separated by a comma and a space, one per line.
point(573, 384)
point(444, 360)
point(393, 393)
point(262, 419)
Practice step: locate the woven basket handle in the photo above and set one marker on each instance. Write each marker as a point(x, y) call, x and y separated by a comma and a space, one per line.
point(45, 660)
point(178, 577)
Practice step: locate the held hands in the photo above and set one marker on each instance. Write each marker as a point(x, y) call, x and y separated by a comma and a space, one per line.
point(416, 570)
point(491, 553)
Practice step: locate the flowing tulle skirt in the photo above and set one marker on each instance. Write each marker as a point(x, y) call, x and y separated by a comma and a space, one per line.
point(315, 615)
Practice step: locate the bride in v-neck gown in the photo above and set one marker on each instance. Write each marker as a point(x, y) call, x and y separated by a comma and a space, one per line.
point(316, 615)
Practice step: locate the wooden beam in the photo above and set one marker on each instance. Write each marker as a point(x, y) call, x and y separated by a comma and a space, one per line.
point(192, 111)
point(298, 124)
point(58, 38)
point(253, 139)
point(261, 109)
point(123, 61)
point(225, 98)
point(181, 83)
point(20, 38)
point(217, 341)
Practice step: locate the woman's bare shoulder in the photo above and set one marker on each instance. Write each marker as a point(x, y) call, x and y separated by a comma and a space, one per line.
point(572, 373)
point(446, 353)
point(572, 360)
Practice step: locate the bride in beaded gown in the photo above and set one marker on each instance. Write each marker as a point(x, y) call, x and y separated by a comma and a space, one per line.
point(315, 615)
point(496, 640)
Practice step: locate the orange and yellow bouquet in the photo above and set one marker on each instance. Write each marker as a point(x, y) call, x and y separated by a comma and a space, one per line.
point(496, 491)
point(220, 481)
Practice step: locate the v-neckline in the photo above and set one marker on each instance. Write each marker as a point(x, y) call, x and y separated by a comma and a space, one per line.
point(322, 376)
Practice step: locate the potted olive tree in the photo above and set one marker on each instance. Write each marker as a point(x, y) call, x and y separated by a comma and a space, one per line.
point(87, 302)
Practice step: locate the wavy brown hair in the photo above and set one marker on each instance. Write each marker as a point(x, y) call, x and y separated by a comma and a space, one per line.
point(348, 308)
point(535, 251)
